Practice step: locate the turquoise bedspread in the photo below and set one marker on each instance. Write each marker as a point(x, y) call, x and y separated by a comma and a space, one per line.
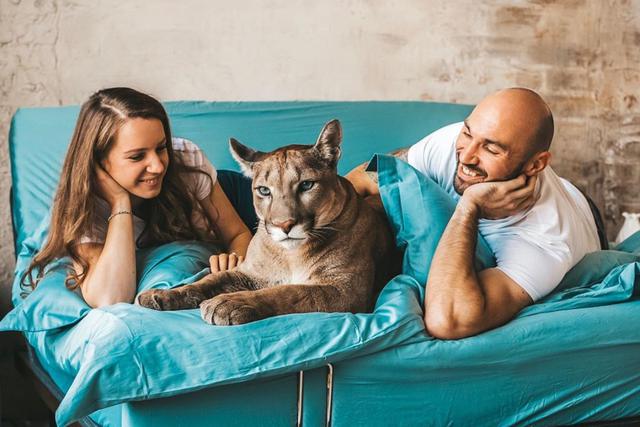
point(123, 352)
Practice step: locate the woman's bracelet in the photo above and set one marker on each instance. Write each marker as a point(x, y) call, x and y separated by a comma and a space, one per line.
point(118, 213)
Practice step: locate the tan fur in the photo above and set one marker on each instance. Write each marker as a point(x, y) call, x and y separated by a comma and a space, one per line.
point(337, 265)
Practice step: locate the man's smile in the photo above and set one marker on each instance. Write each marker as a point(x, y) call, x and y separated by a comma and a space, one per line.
point(465, 173)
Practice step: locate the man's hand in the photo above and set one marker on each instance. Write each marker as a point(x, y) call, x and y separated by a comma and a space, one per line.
point(500, 199)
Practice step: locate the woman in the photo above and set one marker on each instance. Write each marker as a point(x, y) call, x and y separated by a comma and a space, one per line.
point(126, 183)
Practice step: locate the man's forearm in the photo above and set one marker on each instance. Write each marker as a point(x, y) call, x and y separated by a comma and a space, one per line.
point(362, 181)
point(454, 299)
point(365, 182)
point(402, 154)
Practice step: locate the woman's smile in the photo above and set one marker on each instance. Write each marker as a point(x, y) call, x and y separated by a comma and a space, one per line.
point(152, 182)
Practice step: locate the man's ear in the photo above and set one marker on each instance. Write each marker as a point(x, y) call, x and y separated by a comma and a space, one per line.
point(537, 163)
point(245, 156)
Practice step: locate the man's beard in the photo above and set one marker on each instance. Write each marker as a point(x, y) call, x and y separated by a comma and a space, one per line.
point(516, 172)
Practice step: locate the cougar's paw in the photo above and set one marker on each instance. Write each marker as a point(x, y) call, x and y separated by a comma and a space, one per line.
point(229, 309)
point(156, 299)
point(164, 299)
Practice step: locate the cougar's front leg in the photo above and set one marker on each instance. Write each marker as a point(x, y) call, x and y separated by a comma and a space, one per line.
point(244, 307)
point(190, 296)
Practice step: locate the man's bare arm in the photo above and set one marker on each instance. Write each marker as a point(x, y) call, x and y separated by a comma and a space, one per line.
point(459, 302)
point(366, 183)
point(401, 153)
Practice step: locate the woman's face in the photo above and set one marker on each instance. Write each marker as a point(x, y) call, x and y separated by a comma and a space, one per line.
point(138, 159)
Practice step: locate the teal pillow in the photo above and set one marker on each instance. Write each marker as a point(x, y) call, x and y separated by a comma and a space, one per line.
point(45, 308)
point(419, 211)
point(599, 278)
point(630, 244)
point(594, 267)
point(51, 305)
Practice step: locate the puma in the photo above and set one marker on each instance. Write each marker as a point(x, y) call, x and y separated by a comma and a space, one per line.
point(319, 247)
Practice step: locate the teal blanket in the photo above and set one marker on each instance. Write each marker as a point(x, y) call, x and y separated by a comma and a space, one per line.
point(125, 352)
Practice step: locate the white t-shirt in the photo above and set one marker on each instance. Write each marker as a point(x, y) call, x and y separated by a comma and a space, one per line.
point(534, 248)
point(197, 183)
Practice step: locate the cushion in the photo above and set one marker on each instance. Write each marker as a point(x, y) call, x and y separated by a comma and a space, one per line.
point(630, 244)
point(419, 211)
point(594, 267)
point(51, 305)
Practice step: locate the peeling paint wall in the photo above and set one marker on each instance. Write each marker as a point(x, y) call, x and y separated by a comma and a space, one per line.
point(582, 56)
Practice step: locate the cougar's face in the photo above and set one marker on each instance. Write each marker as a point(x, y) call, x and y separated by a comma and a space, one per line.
point(295, 187)
point(291, 195)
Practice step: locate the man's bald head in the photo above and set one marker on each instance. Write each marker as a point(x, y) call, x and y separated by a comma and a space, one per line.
point(507, 134)
point(525, 112)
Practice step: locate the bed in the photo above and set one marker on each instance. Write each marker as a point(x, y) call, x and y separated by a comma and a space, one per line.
point(572, 358)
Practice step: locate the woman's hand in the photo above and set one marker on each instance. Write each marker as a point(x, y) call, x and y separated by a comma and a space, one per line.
point(111, 191)
point(224, 262)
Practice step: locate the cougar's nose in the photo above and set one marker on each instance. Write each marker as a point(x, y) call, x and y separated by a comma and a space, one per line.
point(286, 226)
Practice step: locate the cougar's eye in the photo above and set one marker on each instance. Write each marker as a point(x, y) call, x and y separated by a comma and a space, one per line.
point(306, 185)
point(263, 191)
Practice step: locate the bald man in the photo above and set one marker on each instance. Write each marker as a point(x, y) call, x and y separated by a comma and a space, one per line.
point(496, 165)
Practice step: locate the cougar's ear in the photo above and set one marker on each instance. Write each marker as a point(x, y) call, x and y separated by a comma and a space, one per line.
point(244, 155)
point(328, 144)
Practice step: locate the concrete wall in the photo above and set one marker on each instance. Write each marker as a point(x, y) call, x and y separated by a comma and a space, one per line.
point(583, 56)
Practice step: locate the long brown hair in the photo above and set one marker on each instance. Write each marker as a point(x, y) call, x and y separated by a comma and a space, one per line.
point(169, 215)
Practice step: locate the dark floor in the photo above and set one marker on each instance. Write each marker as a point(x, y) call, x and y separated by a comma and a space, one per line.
point(19, 404)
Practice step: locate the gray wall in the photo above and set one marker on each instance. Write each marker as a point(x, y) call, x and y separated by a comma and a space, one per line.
point(583, 56)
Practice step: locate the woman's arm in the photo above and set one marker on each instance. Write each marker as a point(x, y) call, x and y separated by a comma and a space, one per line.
point(111, 276)
point(227, 223)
